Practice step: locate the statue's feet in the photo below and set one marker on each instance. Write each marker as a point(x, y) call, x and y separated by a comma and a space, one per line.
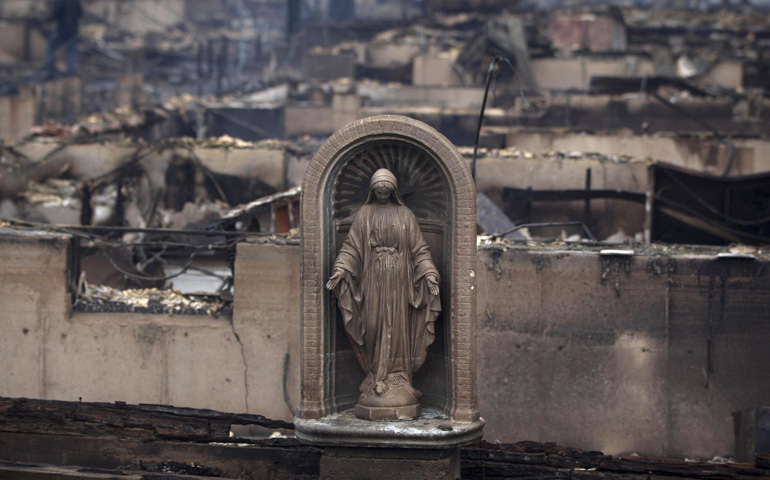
point(392, 399)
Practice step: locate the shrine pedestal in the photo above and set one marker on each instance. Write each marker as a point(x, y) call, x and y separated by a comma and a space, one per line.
point(430, 431)
point(356, 224)
point(390, 463)
point(424, 448)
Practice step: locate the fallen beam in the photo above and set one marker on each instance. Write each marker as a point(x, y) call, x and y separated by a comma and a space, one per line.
point(525, 194)
point(144, 422)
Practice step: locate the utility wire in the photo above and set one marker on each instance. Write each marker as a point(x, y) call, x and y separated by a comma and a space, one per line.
point(492, 74)
point(150, 278)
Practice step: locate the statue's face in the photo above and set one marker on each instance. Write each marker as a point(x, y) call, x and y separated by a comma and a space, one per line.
point(382, 191)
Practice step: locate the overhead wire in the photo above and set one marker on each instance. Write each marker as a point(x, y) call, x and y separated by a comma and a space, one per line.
point(88, 233)
point(150, 278)
point(491, 75)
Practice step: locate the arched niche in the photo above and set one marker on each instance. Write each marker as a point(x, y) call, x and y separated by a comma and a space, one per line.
point(436, 184)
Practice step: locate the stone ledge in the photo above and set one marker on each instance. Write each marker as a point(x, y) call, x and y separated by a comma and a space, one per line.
point(431, 429)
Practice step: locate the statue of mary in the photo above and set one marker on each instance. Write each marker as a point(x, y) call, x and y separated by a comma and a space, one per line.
point(387, 290)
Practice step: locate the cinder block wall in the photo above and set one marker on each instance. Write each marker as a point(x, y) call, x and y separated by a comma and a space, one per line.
point(648, 354)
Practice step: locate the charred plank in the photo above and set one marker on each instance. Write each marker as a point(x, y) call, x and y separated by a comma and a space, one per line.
point(124, 420)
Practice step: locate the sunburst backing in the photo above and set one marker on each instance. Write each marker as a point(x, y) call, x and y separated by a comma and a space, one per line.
point(419, 181)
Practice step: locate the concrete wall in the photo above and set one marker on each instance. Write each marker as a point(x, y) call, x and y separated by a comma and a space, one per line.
point(705, 155)
point(496, 169)
point(435, 70)
point(19, 41)
point(494, 172)
point(198, 361)
point(266, 315)
point(34, 301)
point(91, 160)
point(597, 33)
point(17, 114)
point(22, 8)
point(576, 73)
point(648, 354)
point(140, 16)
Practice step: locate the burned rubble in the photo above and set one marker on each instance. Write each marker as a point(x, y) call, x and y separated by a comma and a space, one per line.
point(620, 154)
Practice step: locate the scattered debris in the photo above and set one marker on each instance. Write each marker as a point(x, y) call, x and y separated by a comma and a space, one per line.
point(100, 298)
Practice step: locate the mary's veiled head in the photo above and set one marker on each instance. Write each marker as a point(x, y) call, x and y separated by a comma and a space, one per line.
point(383, 180)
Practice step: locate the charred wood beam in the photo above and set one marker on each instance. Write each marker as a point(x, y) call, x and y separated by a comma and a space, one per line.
point(691, 207)
point(126, 458)
point(549, 461)
point(146, 422)
point(98, 230)
point(609, 85)
point(649, 85)
point(722, 138)
point(24, 471)
point(665, 32)
point(525, 194)
point(288, 458)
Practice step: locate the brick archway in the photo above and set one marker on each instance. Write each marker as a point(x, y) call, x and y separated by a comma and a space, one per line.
point(462, 402)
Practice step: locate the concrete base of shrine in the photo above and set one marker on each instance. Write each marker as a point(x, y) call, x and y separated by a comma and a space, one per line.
point(407, 412)
point(390, 463)
point(431, 429)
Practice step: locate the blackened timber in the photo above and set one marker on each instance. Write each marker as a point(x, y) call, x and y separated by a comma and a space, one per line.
point(288, 458)
point(603, 84)
point(551, 462)
point(647, 34)
point(25, 471)
point(249, 458)
point(525, 194)
point(119, 419)
point(693, 207)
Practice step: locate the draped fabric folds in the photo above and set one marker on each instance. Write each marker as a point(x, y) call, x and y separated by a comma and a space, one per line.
point(384, 297)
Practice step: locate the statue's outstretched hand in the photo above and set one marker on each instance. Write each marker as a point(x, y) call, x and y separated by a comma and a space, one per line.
point(334, 280)
point(432, 284)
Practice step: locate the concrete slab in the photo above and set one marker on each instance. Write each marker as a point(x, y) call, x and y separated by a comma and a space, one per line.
point(649, 354)
point(206, 367)
point(323, 67)
point(90, 160)
point(433, 70)
point(34, 299)
point(574, 73)
point(406, 95)
point(386, 55)
point(20, 41)
point(106, 358)
point(17, 115)
point(265, 164)
point(266, 320)
point(308, 121)
point(597, 33)
point(617, 357)
point(699, 153)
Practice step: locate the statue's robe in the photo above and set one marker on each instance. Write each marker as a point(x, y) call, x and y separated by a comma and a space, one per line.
point(385, 301)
